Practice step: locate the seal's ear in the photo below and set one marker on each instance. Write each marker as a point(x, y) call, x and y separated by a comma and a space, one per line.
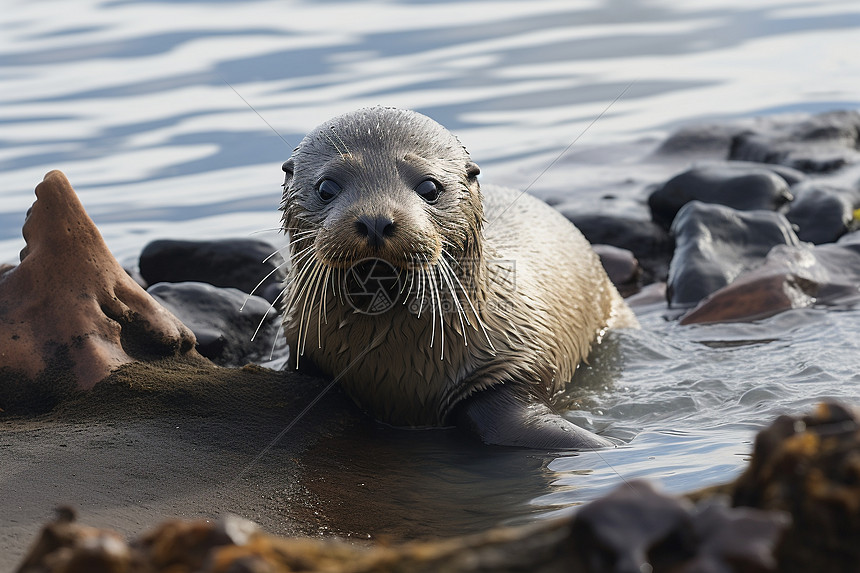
point(288, 169)
point(288, 178)
point(472, 170)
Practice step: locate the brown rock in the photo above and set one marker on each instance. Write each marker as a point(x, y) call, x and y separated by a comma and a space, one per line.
point(795, 276)
point(70, 307)
point(66, 546)
point(809, 466)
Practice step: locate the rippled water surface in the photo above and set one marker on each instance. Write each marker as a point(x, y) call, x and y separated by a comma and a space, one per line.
point(171, 119)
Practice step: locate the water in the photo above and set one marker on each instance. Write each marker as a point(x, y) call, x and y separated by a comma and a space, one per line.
point(172, 118)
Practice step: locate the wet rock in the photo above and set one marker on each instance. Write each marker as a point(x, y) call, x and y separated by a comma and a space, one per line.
point(823, 213)
point(224, 321)
point(621, 266)
point(648, 295)
point(70, 313)
point(632, 529)
point(743, 187)
point(714, 244)
point(809, 466)
point(734, 540)
point(236, 263)
point(816, 144)
point(791, 175)
point(791, 277)
point(650, 244)
point(635, 528)
point(620, 531)
point(708, 138)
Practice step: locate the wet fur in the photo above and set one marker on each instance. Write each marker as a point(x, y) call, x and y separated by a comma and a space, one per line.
point(501, 349)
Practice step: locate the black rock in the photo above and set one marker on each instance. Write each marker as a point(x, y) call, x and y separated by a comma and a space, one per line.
point(822, 213)
point(236, 263)
point(740, 186)
point(650, 244)
point(791, 175)
point(817, 144)
point(709, 138)
point(621, 266)
point(224, 320)
point(715, 243)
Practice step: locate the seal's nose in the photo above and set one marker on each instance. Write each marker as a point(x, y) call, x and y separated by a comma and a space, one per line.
point(376, 228)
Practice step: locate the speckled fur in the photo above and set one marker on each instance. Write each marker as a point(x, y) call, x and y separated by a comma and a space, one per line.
point(536, 333)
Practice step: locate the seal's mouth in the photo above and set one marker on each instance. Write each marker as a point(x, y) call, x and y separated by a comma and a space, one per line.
point(372, 286)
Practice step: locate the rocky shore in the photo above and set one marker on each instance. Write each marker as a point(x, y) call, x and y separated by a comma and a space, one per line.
point(770, 227)
point(796, 508)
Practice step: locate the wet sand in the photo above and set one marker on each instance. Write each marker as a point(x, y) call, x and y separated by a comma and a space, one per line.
point(156, 441)
point(182, 438)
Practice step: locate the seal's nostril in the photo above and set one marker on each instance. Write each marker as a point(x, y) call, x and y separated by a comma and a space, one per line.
point(361, 227)
point(376, 228)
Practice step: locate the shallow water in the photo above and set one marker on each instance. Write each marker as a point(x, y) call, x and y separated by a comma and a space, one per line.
point(171, 119)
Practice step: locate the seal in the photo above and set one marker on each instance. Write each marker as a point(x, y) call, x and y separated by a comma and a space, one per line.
point(434, 302)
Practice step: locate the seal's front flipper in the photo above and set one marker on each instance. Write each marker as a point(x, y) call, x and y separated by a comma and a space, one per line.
point(503, 417)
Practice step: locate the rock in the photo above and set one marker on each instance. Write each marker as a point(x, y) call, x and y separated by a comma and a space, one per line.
point(802, 467)
point(70, 313)
point(809, 466)
point(224, 320)
point(621, 266)
point(236, 263)
point(816, 144)
point(791, 277)
point(735, 540)
point(743, 187)
point(700, 139)
point(67, 546)
point(714, 244)
point(648, 295)
point(852, 238)
point(632, 529)
point(822, 213)
point(620, 531)
point(650, 244)
point(635, 528)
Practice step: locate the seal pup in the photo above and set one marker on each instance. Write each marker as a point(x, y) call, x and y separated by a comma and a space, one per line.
point(432, 301)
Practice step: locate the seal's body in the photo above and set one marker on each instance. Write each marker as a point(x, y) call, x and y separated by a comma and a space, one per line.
point(434, 304)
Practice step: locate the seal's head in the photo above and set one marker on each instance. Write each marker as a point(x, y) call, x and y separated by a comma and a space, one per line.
point(381, 183)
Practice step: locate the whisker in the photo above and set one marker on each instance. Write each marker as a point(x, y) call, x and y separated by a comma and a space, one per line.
point(259, 284)
point(262, 321)
point(321, 306)
point(475, 314)
point(303, 327)
point(275, 340)
point(345, 146)
point(444, 271)
point(441, 315)
point(432, 307)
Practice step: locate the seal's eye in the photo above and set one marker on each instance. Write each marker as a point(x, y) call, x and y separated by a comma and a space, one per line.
point(429, 190)
point(328, 190)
